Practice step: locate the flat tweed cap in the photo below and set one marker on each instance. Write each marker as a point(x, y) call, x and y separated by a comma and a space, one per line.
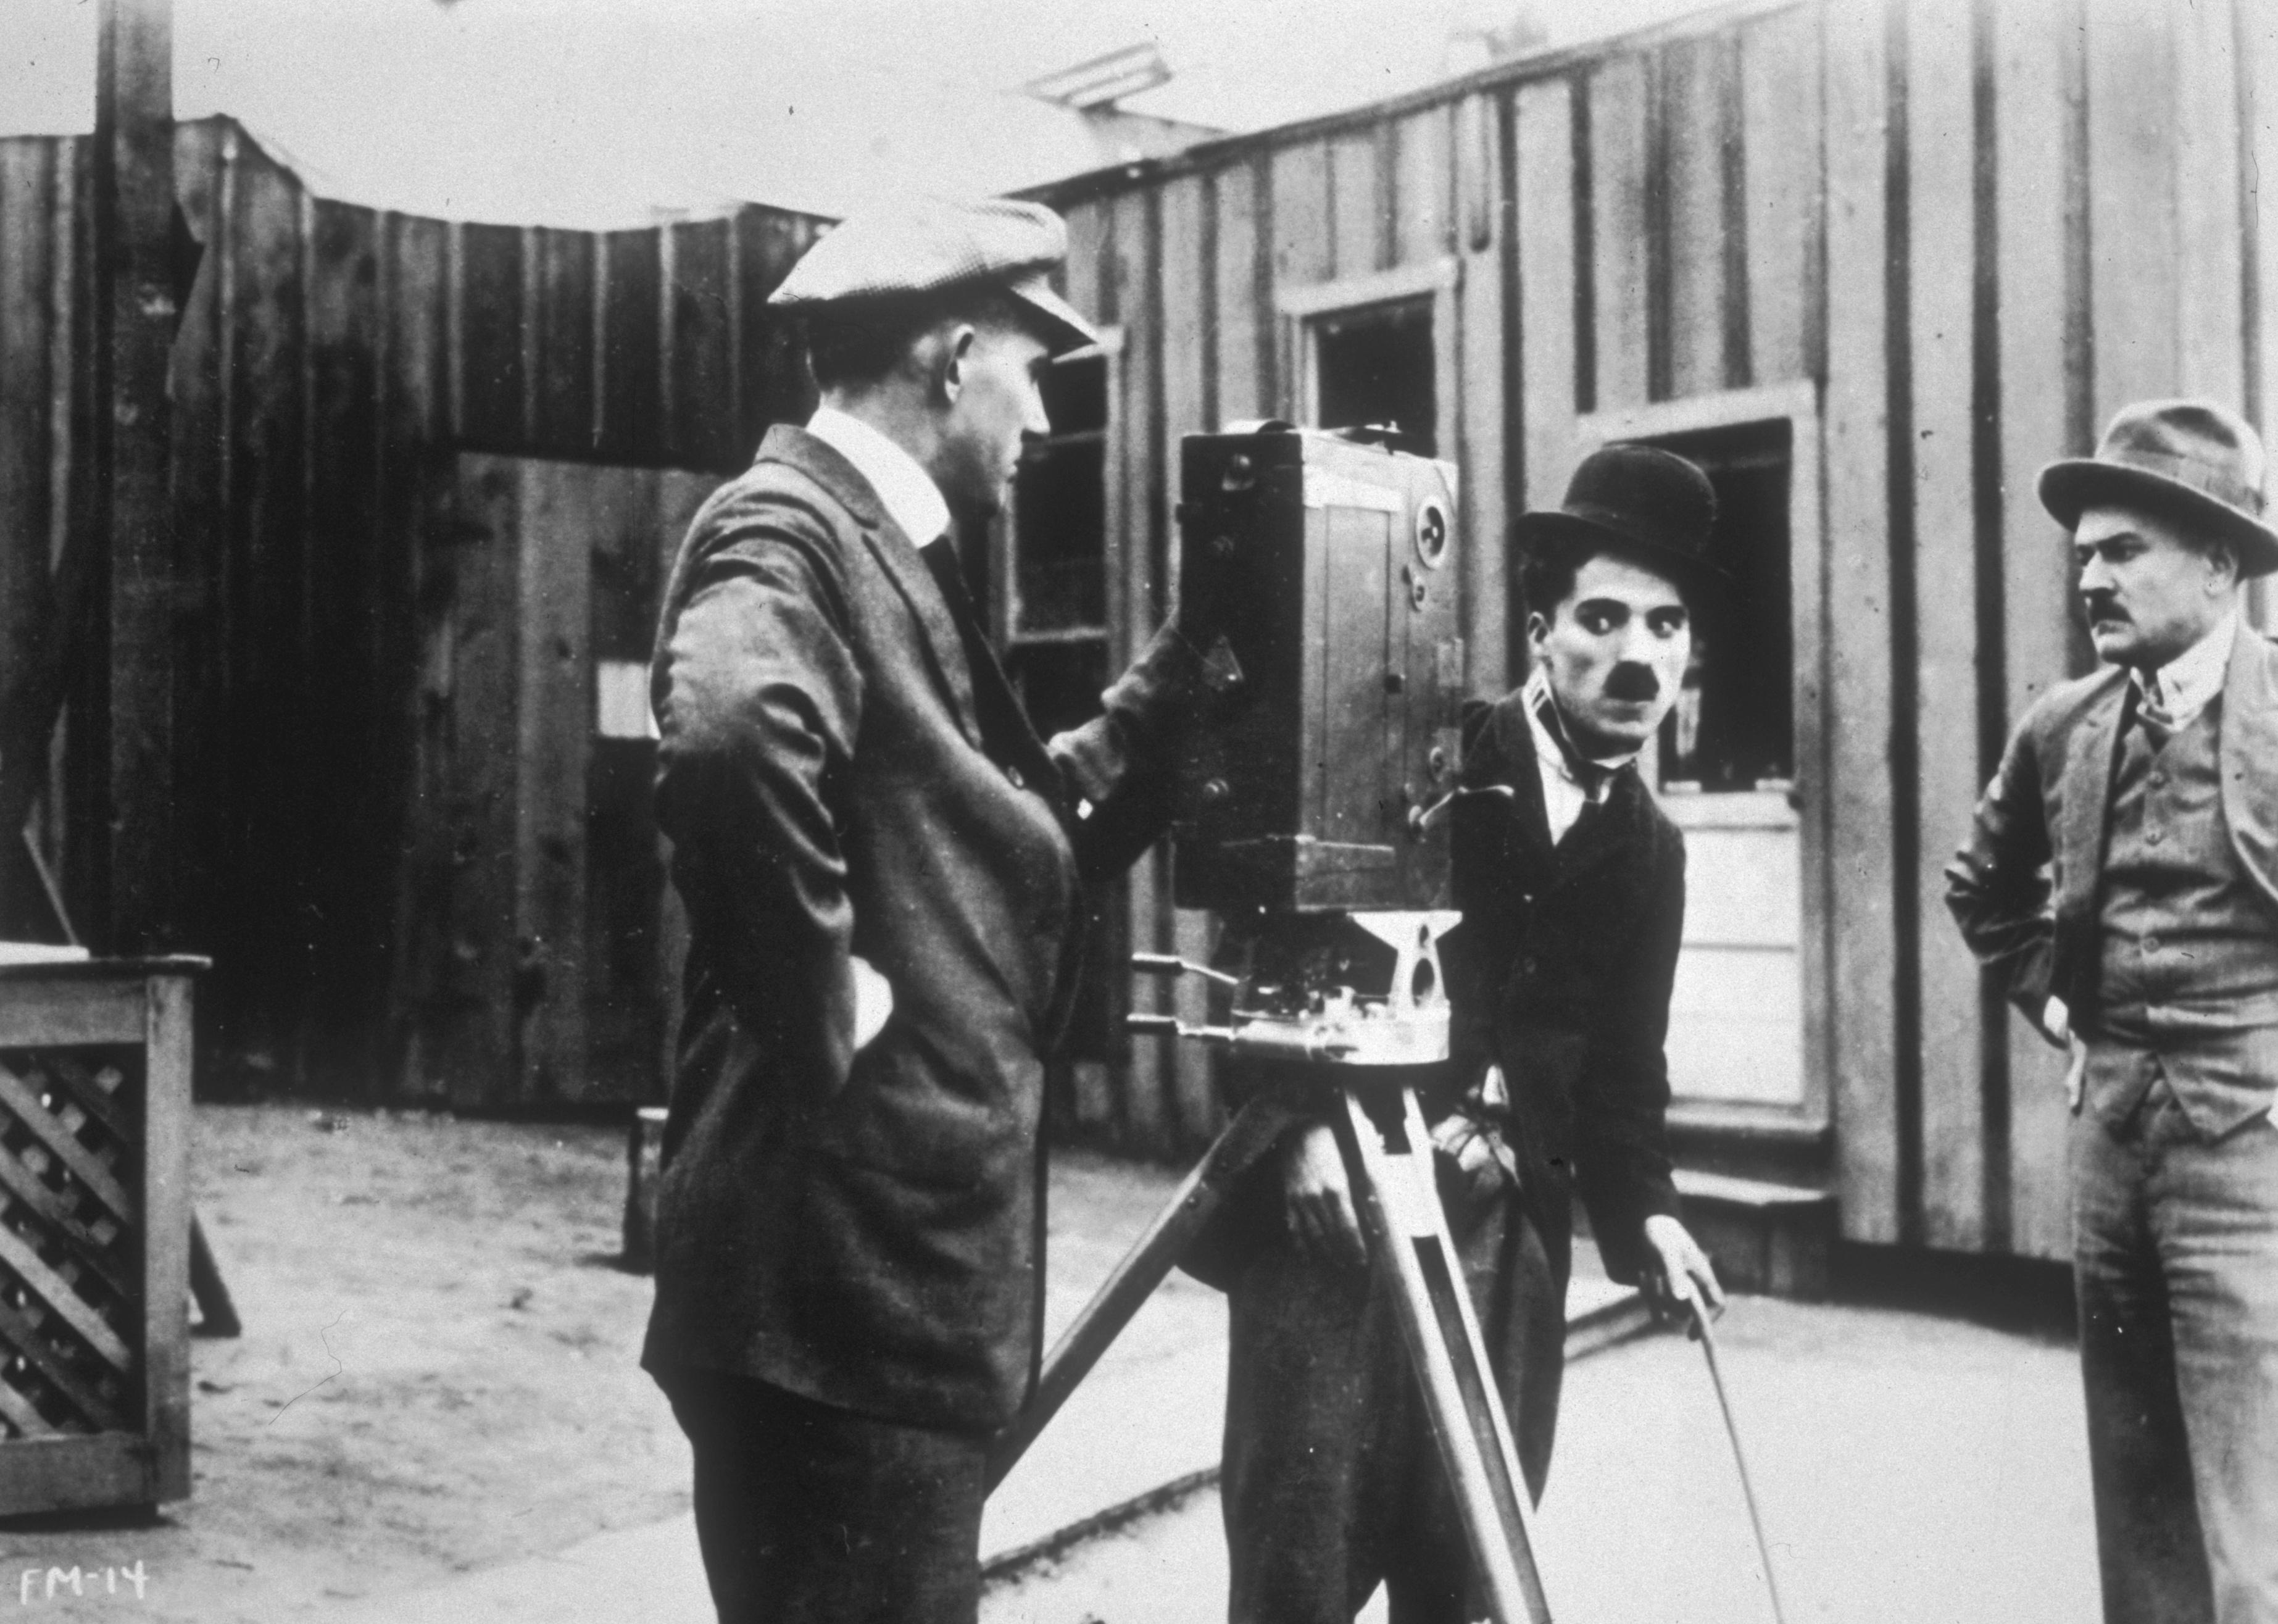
point(932, 245)
point(2192, 460)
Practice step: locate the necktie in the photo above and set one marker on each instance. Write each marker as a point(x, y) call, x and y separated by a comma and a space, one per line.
point(2152, 709)
point(1004, 732)
point(1593, 809)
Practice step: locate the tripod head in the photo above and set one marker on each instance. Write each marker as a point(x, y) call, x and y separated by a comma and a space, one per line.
point(1359, 993)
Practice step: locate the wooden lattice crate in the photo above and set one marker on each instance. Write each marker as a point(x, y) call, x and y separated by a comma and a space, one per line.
point(94, 1099)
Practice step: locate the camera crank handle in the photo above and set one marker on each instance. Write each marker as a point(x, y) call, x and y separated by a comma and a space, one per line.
point(1420, 819)
point(1171, 964)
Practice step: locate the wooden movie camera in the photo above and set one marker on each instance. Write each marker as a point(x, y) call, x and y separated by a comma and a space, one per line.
point(1333, 559)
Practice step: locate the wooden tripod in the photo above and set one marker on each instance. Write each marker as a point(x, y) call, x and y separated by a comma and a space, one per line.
point(1388, 1152)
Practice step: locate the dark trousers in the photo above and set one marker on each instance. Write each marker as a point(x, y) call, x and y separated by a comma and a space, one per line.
point(2177, 1241)
point(808, 1514)
point(1332, 1480)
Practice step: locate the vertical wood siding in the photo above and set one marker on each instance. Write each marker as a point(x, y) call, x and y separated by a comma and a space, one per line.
point(1941, 219)
point(2040, 206)
point(1978, 229)
point(1861, 807)
point(45, 273)
point(1485, 241)
point(326, 352)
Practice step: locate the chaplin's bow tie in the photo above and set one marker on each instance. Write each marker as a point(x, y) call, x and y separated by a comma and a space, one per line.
point(1591, 777)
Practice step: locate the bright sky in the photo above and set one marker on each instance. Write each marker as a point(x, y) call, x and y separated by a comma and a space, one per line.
point(592, 113)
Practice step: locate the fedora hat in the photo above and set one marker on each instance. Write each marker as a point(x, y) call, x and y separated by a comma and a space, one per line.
point(2187, 459)
point(1642, 503)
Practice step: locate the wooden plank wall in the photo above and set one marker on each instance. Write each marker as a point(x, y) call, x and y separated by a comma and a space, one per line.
point(1861, 809)
point(1980, 227)
point(325, 352)
point(2040, 201)
point(360, 341)
point(45, 278)
point(534, 966)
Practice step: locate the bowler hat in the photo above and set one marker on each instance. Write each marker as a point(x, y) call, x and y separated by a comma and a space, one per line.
point(922, 246)
point(2189, 459)
point(1642, 502)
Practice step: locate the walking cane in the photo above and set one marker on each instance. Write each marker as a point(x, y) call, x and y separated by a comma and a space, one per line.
point(1748, 1490)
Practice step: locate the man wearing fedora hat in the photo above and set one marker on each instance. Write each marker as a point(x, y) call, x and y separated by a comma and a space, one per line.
point(882, 867)
point(1571, 883)
point(2121, 882)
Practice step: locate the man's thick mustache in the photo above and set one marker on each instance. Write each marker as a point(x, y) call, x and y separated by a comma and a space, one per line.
point(2103, 609)
point(1635, 683)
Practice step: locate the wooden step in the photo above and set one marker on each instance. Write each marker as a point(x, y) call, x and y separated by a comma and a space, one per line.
point(1599, 1313)
point(1767, 1237)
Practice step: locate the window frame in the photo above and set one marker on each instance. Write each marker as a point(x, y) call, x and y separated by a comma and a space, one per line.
point(1304, 308)
point(1004, 590)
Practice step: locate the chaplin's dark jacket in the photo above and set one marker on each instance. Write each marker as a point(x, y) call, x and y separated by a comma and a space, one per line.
point(2026, 890)
point(842, 772)
point(1560, 974)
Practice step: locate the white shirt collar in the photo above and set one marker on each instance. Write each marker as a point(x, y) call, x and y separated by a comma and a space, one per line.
point(2193, 677)
point(904, 490)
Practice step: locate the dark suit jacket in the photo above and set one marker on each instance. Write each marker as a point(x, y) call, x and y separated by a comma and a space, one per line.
point(1561, 973)
point(863, 1229)
point(2024, 890)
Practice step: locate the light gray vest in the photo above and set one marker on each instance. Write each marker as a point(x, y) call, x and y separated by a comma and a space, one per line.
point(2188, 974)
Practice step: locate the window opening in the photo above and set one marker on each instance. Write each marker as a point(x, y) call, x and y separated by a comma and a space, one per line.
point(1058, 579)
point(1733, 725)
point(1378, 364)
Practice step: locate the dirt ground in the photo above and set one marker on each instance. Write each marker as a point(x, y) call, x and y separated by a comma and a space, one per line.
point(438, 1371)
point(1912, 1469)
point(439, 1368)
point(438, 1376)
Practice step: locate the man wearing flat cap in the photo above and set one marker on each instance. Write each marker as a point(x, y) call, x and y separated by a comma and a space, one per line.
point(1571, 883)
point(883, 870)
point(2121, 882)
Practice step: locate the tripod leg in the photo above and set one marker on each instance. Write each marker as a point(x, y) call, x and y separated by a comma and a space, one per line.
point(1249, 1136)
point(1408, 1233)
point(217, 1315)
